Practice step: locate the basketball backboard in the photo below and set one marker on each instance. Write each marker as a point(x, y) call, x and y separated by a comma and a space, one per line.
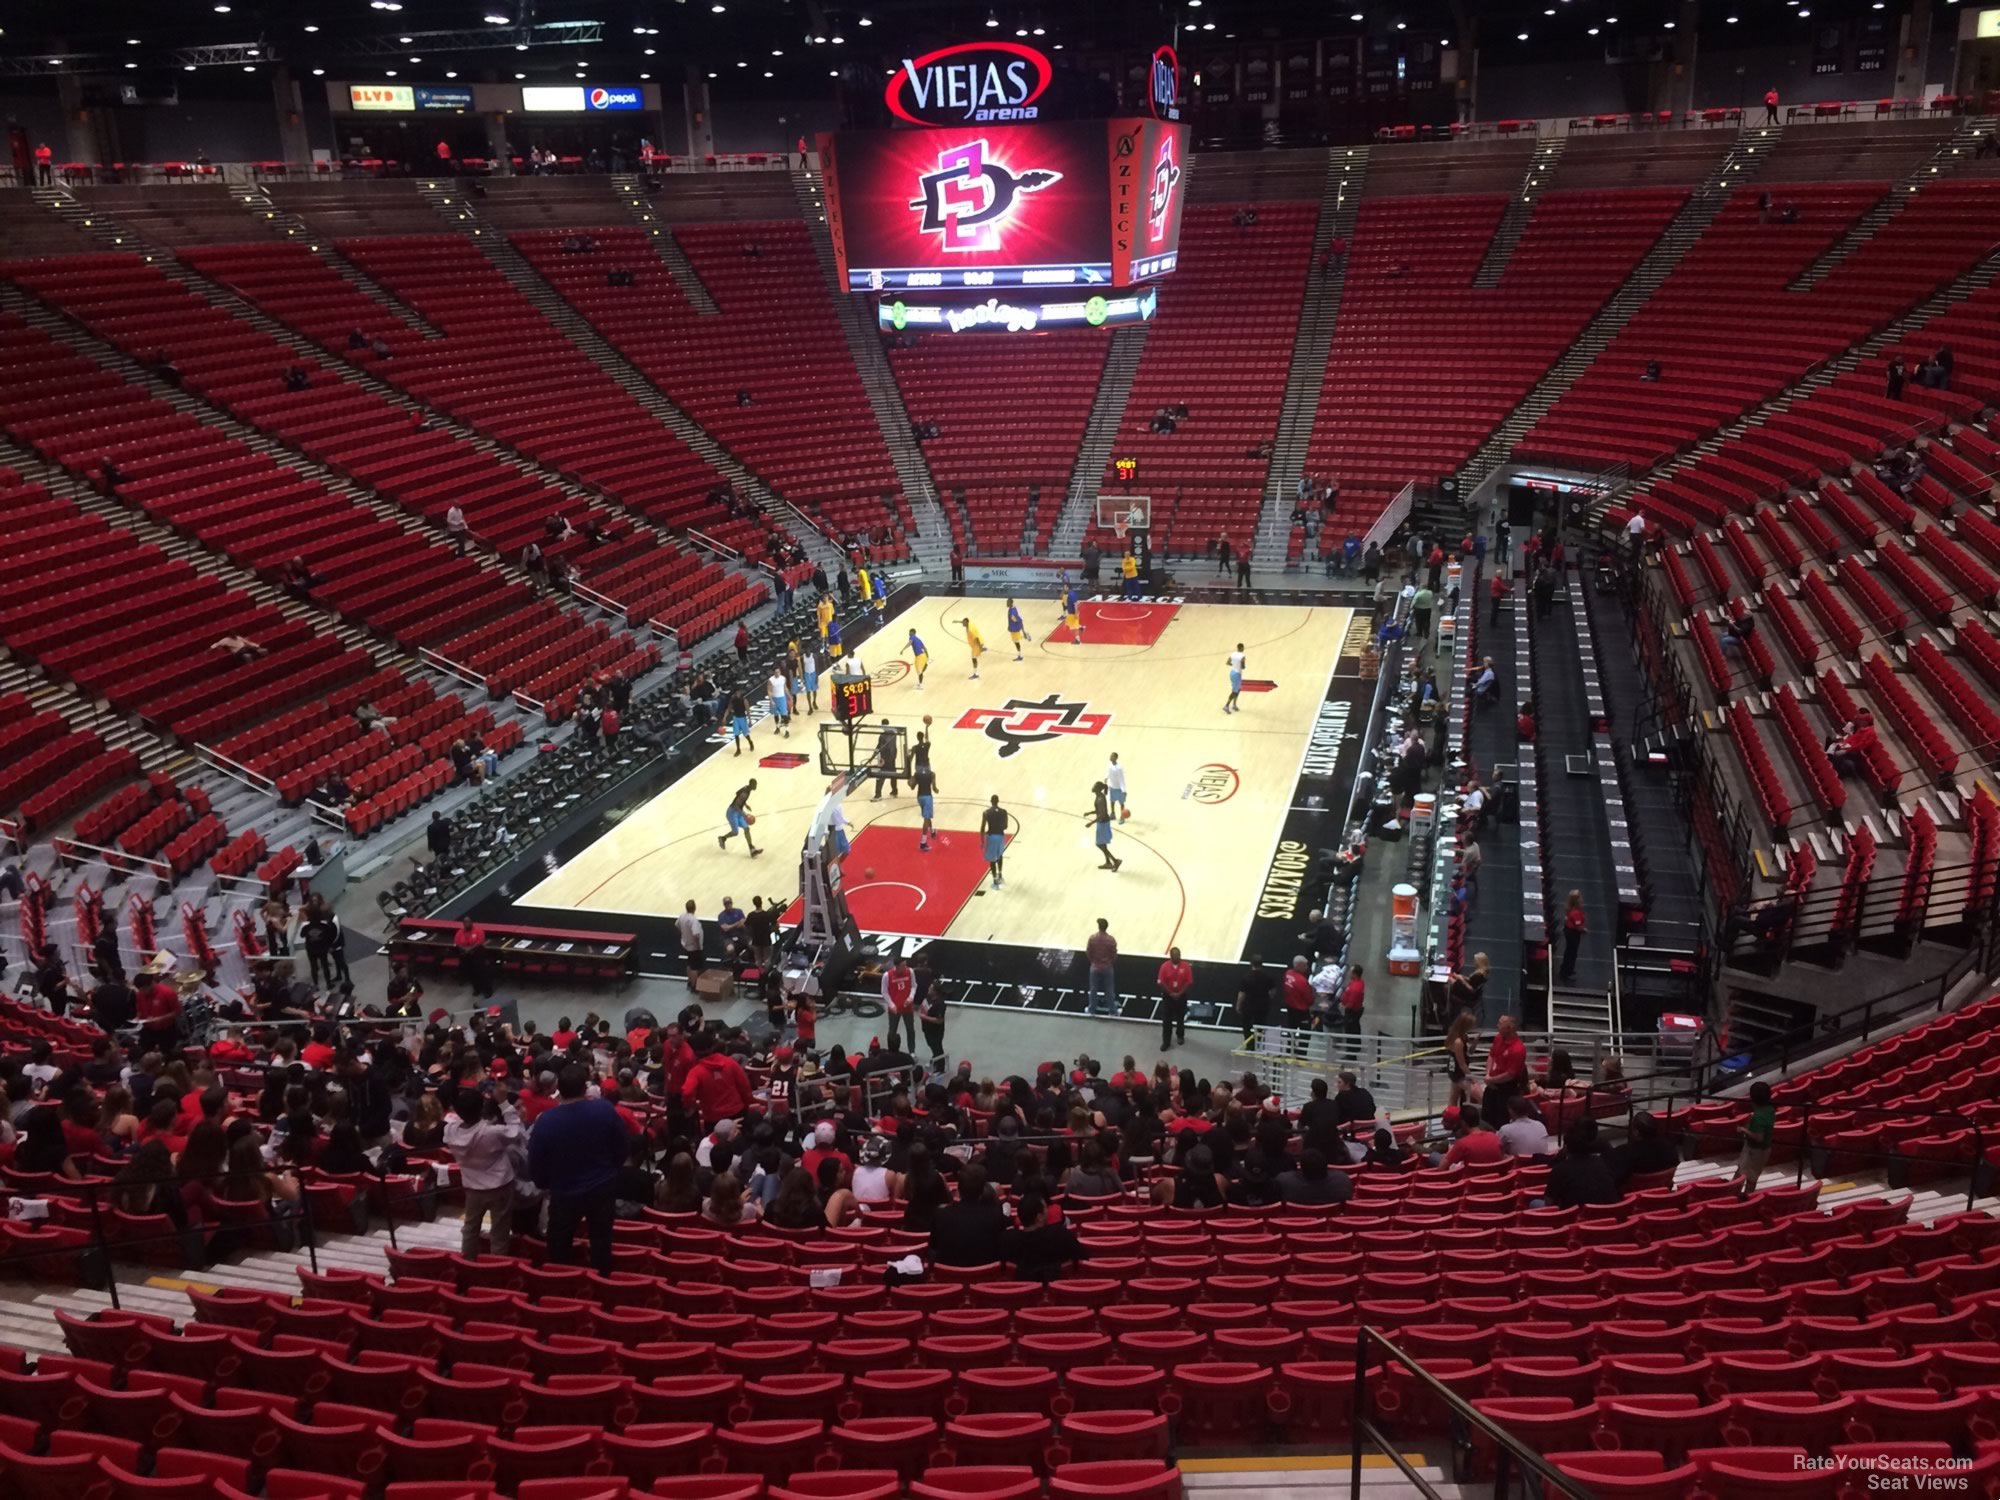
point(842, 748)
point(1124, 513)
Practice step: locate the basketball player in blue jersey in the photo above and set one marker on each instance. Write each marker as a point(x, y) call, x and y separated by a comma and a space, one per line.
point(1072, 617)
point(920, 658)
point(1017, 630)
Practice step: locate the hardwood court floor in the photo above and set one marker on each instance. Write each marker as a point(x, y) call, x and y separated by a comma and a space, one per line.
point(1208, 792)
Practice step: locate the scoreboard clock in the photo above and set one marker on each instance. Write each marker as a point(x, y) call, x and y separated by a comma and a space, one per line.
point(1127, 469)
point(853, 698)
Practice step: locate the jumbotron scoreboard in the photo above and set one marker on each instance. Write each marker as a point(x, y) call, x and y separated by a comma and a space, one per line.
point(1042, 222)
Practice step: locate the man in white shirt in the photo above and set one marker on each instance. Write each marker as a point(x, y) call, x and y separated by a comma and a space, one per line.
point(1635, 529)
point(693, 938)
point(1114, 786)
point(704, 1154)
point(1523, 1134)
point(780, 702)
point(481, 1136)
point(454, 524)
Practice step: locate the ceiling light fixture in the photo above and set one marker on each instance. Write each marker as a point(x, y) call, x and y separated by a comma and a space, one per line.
point(311, 27)
point(494, 18)
point(406, 40)
point(1402, 26)
point(520, 75)
point(131, 41)
point(222, 10)
point(991, 20)
point(190, 68)
point(864, 21)
point(769, 74)
point(1041, 31)
point(1593, 31)
point(777, 52)
point(452, 74)
point(742, 64)
point(645, 76)
point(131, 65)
point(1520, 36)
point(838, 40)
point(1355, 17)
point(520, 46)
point(249, 67)
point(389, 72)
point(650, 51)
point(1205, 26)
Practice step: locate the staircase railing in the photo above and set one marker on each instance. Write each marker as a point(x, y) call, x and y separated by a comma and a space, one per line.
point(1511, 1457)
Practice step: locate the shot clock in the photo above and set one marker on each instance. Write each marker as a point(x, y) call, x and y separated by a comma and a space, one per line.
point(853, 698)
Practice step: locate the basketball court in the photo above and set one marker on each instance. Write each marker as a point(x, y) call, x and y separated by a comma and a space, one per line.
point(1209, 793)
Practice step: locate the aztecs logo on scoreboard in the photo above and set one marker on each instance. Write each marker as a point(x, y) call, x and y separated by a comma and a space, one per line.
point(1166, 180)
point(1025, 721)
point(970, 198)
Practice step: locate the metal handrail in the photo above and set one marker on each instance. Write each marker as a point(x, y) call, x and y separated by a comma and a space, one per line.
point(1508, 1450)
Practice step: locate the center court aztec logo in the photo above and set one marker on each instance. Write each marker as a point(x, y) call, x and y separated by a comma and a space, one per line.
point(968, 198)
point(1026, 721)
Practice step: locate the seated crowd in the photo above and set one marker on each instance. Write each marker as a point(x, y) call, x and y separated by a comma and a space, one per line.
point(576, 1128)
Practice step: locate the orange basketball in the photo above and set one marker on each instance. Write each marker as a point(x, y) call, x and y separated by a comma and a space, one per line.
point(748, 816)
point(868, 873)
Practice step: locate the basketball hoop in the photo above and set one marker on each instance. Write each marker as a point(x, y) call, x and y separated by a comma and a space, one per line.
point(1119, 529)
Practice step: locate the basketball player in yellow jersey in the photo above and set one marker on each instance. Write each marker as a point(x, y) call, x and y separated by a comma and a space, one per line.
point(824, 612)
point(976, 641)
point(865, 584)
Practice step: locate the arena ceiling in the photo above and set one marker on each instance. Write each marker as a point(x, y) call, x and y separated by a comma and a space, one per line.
point(794, 45)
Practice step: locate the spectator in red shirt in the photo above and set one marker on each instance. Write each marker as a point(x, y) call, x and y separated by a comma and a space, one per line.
point(158, 1006)
point(45, 164)
point(1524, 722)
point(563, 1035)
point(1849, 750)
point(899, 989)
point(1500, 587)
point(1506, 1071)
point(470, 941)
point(1297, 993)
point(1573, 928)
point(532, 1103)
point(1353, 999)
point(319, 1053)
point(716, 1087)
point(81, 1115)
point(229, 1048)
point(824, 1147)
point(1176, 978)
point(1476, 1146)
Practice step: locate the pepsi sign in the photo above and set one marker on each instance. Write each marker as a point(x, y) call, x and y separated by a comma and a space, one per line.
point(614, 98)
point(1163, 85)
point(972, 83)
